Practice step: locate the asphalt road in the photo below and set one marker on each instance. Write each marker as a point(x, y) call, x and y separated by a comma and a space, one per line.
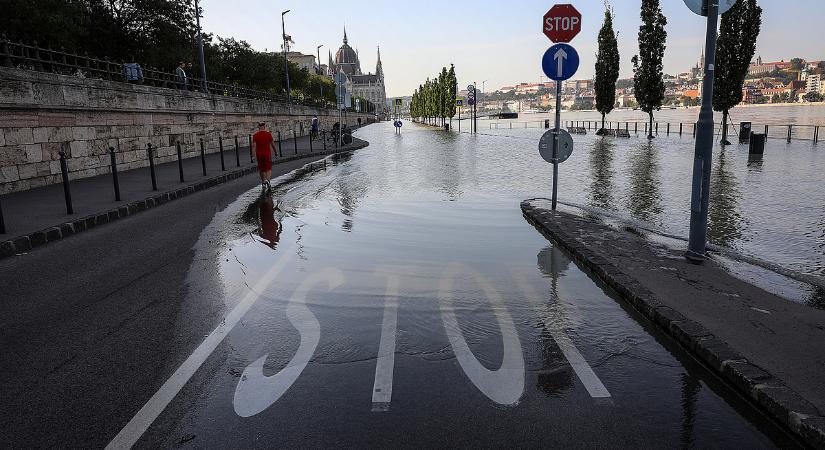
point(88, 323)
point(370, 305)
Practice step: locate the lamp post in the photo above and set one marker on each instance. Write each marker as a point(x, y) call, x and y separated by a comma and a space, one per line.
point(318, 55)
point(286, 64)
point(200, 45)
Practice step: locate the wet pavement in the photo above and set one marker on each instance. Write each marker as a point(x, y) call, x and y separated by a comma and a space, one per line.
point(398, 298)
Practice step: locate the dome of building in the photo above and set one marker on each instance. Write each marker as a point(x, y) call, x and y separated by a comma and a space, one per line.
point(346, 58)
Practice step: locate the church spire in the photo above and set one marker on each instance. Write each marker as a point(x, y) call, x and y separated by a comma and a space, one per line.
point(345, 34)
point(330, 65)
point(379, 69)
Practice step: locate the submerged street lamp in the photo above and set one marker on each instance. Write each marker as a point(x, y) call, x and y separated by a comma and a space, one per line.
point(200, 45)
point(286, 64)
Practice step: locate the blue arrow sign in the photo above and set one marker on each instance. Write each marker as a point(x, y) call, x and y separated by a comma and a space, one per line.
point(560, 62)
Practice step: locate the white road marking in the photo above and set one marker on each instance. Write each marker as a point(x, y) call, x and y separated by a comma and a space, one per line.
point(385, 363)
point(583, 370)
point(256, 392)
point(129, 435)
point(506, 384)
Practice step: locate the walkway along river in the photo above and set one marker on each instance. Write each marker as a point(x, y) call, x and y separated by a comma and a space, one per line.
point(398, 298)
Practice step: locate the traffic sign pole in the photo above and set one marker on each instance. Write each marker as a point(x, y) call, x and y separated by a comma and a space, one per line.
point(703, 153)
point(475, 115)
point(556, 144)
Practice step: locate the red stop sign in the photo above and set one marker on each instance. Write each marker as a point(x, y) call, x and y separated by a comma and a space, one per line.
point(562, 23)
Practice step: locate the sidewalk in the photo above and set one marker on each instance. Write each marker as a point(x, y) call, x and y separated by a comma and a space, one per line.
point(37, 216)
point(767, 347)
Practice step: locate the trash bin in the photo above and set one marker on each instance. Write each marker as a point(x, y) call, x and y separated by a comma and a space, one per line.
point(546, 123)
point(744, 132)
point(757, 145)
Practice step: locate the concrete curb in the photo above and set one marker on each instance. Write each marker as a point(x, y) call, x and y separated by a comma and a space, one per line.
point(36, 239)
point(769, 393)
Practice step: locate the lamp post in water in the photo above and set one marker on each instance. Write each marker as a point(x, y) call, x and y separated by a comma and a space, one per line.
point(703, 153)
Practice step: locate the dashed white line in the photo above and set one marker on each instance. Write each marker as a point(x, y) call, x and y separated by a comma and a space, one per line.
point(385, 363)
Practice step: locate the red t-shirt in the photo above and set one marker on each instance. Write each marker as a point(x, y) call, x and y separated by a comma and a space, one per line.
point(262, 139)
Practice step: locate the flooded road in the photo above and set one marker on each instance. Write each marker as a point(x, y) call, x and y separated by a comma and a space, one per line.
point(398, 298)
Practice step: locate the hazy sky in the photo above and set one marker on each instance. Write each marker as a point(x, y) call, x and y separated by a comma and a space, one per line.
point(498, 41)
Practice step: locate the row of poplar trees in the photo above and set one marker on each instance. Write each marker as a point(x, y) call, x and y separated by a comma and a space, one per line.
point(434, 101)
point(735, 48)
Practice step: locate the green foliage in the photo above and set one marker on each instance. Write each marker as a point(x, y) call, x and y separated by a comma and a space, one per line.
point(436, 98)
point(607, 65)
point(797, 63)
point(812, 97)
point(647, 65)
point(734, 50)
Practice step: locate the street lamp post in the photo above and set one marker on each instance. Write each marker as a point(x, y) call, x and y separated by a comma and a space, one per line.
point(200, 45)
point(286, 63)
point(703, 153)
point(318, 54)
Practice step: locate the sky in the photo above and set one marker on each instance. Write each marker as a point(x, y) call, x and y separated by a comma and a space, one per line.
point(500, 42)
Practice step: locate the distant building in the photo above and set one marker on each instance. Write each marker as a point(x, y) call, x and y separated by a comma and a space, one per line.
point(369, 86)
point(302, 61)
point(813, 83)
point(759, 67)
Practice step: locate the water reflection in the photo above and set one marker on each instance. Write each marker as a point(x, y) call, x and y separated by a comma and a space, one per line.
point(724, 221)
point(350, 187)
point(556, 376)
point(644, 201)
point(690, 396)
point(754, 163)
point(601, 172)
point(270, 229)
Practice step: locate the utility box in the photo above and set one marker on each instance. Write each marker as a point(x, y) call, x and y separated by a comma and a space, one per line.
point(744, 132)
point(757, 145)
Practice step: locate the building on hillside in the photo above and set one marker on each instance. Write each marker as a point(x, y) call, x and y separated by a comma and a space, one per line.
point(302, 61)
point(369, 86)
point(813, 83)
point(759, 67)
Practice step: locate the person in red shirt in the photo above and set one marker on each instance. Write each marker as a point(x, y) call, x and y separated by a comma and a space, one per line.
point(264, 146)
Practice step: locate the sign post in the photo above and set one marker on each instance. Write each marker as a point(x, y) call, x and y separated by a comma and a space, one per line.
point(459, 104)
point(703, 150)
point(560, 62)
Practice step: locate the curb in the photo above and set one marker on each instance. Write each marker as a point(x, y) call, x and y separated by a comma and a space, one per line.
point(36, 239)
point(769, 393)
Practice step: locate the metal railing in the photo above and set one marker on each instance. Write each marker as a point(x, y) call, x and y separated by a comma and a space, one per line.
point(32, 57)
point(775, 131)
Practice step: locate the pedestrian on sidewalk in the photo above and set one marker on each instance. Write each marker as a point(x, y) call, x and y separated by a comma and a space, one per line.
point(264, 146)
point(314, 134)
point(180, 72)
point(132, 71)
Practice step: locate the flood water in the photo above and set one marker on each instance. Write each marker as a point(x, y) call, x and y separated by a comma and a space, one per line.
point(398, 298)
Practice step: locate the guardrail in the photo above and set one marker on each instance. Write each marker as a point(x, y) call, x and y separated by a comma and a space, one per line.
point(776, 131)
point(33, 57)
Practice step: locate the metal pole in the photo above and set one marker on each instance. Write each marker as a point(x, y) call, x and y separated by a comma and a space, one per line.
point(680, 129)
point(237, 152)
point(251, 155)
point(310, 142)
point(703, 154)
point(279, 145)
point(790, 128)
point(324, 139)
point(152, 166)
point(286, 64)
point(200, 45)
point(114, 174)
point(475, 113)
point(2, 222)
point(180, 162)
point(203, 159)
point(220, 148)
point(556, 144)
point(67, 194)
point(295, 141)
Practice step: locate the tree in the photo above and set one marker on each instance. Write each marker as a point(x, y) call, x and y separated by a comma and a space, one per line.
point(607, 66)
point(452, 85)
point(648, 82)
point(734, 50)
point(797, 63)
point(812, 97)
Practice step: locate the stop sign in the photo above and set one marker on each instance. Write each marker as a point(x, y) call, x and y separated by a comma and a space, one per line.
point(562, 23)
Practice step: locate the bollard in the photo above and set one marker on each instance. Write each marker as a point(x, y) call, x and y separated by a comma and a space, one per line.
point(324, 138)
point(152, 167)
point(627, 127)
point(279, 146)
point(668, 128)
point(114, 174)
point(790, 128)
point(766, 131)
point(295, 141)
point(816, 134)
point(680, 129)
point(645, 128)
point(237, 152)
point(694, 129)
point(310, 142)
point(636, 127)
point(2, 222)
point(67, 194)
point(180, 162)
point(251, 155)
point(657, 128)
point(220, 149)
point(203, 159)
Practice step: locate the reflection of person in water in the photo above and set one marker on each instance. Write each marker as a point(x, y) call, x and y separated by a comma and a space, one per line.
point(270, 227)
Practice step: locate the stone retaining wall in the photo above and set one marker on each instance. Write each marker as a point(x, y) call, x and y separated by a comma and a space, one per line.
point(41, 113)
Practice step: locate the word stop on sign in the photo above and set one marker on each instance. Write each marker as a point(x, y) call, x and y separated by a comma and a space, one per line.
point(561, 23)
